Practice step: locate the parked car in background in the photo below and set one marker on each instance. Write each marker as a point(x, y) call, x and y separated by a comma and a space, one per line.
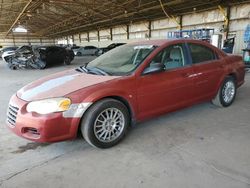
point(129, 84)
point(39, 57)
point(86, 50)
point(75, 49)
point(56, 55)
point(109, 47)
point(7, 50)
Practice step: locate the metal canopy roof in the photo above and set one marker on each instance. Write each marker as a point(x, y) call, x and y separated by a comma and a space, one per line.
point(53, 18)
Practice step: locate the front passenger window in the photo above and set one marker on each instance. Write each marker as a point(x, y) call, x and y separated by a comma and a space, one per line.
point(172, 57)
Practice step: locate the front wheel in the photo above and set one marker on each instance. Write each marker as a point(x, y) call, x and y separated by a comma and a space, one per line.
point(226, 93)
point(105, 123)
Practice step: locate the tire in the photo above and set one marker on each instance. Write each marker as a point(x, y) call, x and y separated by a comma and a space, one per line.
point(67, 60)
point(228, 88)
point(12, 67)
point(100, 131)
point(79, 54)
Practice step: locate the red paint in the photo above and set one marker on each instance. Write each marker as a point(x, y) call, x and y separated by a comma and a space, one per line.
point(148, 95)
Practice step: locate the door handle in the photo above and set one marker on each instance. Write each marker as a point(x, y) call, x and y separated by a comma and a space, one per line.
point(186, 75)
point(189, 75)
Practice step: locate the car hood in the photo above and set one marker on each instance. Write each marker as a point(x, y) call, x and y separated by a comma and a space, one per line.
point(60, 84)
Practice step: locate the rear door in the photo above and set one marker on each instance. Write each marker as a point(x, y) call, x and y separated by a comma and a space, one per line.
point(168, 90)
point(208, 70)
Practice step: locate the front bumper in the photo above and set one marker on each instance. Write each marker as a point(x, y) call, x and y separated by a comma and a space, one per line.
point(40, 128)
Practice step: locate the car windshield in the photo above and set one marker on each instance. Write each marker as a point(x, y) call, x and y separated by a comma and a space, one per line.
point(122, 60)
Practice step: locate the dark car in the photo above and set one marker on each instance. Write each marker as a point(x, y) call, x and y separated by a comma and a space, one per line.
point(109, 47)
point(56, 55)
point(126, 85)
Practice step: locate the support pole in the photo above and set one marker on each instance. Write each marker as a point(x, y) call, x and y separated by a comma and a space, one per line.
point(88, 36)
point(149, 29)
point(98, 35)
point(226, 14)
point(127, 32)
point(80, 39)
point(111, 34)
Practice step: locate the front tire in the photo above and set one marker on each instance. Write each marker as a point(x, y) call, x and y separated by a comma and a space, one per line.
point(106, 123)
point(226, 94)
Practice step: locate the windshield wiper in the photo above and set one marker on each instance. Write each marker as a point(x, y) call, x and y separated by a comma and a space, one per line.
point(91, 70)
point(98, 71)
point(82, 69)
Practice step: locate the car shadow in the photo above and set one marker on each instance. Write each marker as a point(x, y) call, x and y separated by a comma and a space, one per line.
point(29, 146)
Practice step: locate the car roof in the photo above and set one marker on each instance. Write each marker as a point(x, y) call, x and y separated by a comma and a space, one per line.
point(160, 42)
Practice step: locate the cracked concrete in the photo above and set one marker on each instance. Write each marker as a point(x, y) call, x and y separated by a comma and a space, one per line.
point(202, 146)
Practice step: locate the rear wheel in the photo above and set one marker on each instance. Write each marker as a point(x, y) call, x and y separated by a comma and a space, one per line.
point(105, 123)
point(226, 93)
point(79, 54)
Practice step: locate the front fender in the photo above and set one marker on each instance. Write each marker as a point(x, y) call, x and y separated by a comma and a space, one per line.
point(123, 89)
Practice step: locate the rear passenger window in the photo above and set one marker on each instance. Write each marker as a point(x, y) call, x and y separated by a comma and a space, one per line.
point(201, 53)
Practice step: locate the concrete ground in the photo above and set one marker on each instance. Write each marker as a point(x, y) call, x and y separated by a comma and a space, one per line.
point(198, 147)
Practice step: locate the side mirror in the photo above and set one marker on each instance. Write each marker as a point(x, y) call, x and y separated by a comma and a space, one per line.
point(154, 68)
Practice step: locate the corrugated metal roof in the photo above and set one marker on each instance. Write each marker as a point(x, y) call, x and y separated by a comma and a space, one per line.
point(62, 17)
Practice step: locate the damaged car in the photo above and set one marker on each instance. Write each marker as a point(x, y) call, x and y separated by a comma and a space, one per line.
point(39, 57)
point(7, 51)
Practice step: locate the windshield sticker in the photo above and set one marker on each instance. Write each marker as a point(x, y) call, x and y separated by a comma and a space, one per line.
point(143, 47)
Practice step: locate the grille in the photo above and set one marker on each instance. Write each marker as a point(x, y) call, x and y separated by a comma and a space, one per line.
point(11, 114)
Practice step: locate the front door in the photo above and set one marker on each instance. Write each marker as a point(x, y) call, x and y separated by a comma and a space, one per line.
point(168, 90)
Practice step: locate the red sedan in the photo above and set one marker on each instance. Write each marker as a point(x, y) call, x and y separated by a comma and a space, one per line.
point(128, 84)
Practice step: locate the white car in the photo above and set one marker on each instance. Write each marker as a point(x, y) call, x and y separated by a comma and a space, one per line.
point(2, 50)
point(86, 50)
point(6, 55)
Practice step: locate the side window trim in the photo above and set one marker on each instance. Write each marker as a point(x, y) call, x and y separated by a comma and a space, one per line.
point(188, 54)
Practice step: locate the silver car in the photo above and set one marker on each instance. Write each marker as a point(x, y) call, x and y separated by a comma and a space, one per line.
point(86, 50)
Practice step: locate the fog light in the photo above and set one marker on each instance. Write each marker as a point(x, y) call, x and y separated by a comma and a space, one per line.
point(31, 131)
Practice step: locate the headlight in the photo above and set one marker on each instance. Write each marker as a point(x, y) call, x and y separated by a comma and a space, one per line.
point(49, 105)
